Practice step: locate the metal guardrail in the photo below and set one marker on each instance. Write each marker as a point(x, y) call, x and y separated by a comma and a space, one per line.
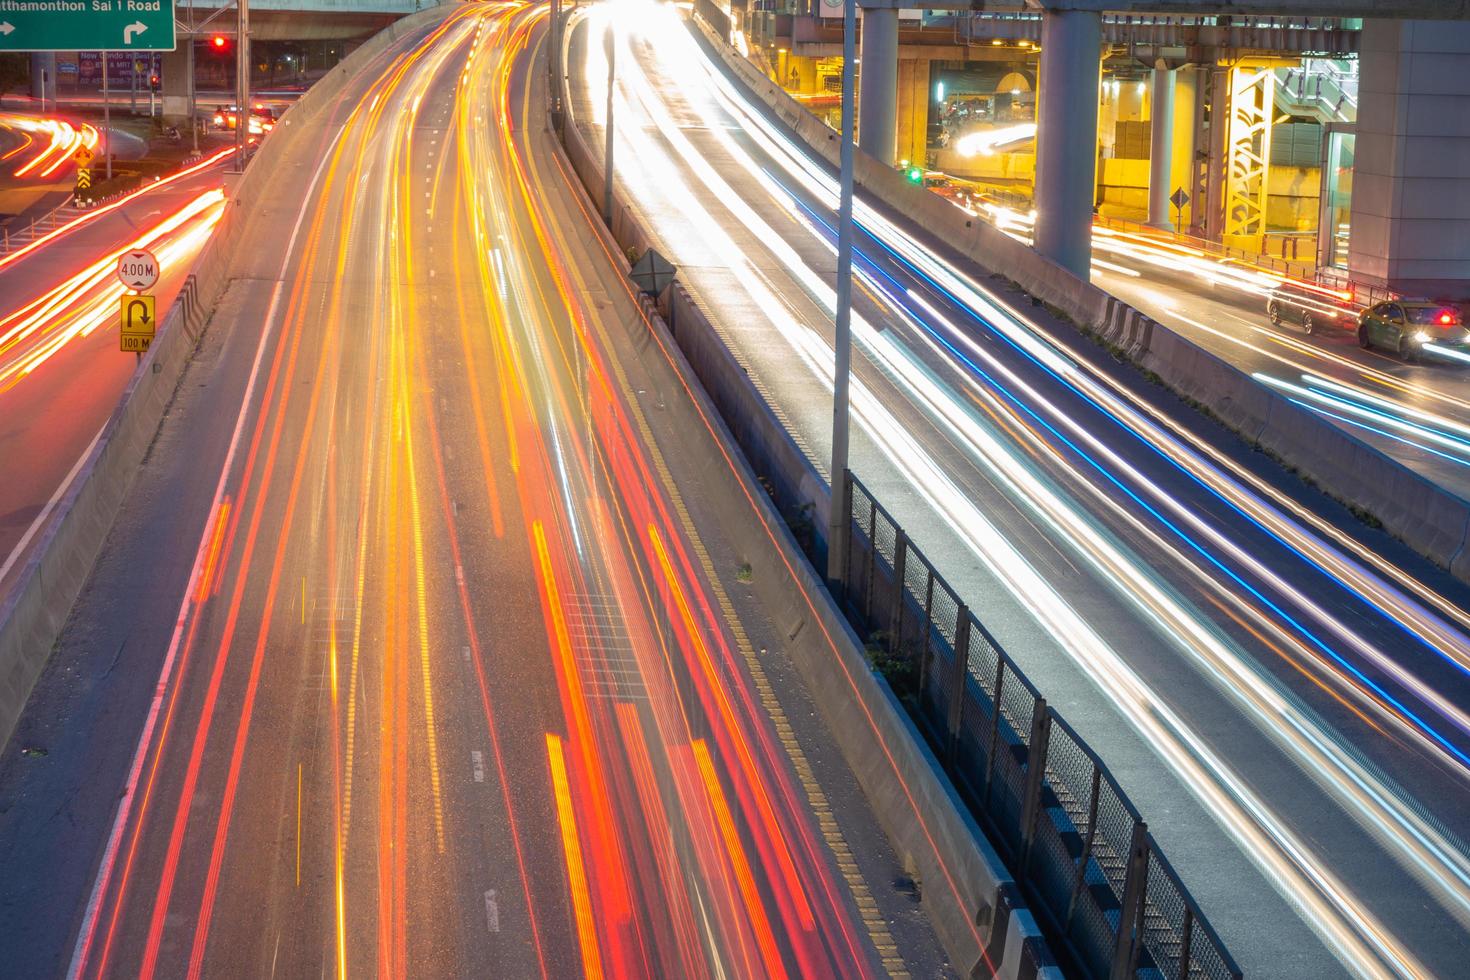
point(1079, 848)
point(28, 232)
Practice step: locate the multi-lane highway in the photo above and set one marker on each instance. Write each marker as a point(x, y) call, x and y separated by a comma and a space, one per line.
point(421, 646)
point(1416, 411)
point(61, 370)
point(1278, 688)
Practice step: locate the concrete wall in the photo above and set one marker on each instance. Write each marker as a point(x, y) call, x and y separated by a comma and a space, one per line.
point(970, 898)
point(33, 614)
point(1428, 518)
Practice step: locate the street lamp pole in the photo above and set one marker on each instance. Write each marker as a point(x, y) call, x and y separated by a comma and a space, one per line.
point(553, 59)
point(837, 519)
point(106, 114)
point(607, 155)
point(242, 83)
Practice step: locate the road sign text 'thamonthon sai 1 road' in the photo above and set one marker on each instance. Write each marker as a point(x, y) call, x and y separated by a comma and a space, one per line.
point(87, 25)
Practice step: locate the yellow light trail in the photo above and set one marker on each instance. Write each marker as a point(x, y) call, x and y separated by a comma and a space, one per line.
point(33, 334)
point(572, 850)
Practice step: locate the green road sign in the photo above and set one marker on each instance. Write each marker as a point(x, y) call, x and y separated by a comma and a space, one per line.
point(87, 25)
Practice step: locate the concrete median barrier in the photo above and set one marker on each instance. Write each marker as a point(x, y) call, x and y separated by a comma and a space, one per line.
point(34, 612)
point(1425, 516)
point(969, 896)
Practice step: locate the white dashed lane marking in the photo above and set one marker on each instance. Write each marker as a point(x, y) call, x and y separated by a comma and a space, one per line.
point(492, 911)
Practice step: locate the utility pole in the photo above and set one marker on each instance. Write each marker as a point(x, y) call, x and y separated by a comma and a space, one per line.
point(242, 83)
point(607, 154)
point(837, 519)
point(193, 98)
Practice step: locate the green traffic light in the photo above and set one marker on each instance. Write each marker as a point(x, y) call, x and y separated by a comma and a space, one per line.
point(916, 175)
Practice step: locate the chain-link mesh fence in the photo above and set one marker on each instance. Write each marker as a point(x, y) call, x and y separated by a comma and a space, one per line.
point(1072, 838)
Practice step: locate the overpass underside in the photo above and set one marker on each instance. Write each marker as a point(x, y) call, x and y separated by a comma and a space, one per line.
point(328, 24)
point(1192, 110)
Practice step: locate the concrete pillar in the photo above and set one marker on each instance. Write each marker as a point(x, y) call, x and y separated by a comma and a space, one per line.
point(878, 106)
point(1186, 95)
point(806, 69)
point(1218, 164)
point(175, 71)
point(1411, 186)
point(1161, 150)
point(1066, 138)
point(913, 110)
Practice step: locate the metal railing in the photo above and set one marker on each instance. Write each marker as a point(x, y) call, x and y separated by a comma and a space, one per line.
point(1290, 246)
point(24, 234)
point(1090, 869)
point(1321, 87)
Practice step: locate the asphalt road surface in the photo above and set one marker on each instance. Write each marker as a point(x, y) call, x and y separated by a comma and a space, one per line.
point(61, 370)
point(1278, 688)
point(420, 646)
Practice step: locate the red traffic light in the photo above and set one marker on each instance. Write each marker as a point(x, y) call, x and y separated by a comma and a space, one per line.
point(218, 41)
point(1447, 317)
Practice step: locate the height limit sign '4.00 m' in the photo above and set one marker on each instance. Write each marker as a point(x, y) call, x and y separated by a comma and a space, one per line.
point(138, 269)
point(87, 25)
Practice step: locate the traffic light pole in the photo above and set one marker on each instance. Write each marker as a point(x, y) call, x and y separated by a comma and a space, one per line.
point(837, 519)
point(242, 83)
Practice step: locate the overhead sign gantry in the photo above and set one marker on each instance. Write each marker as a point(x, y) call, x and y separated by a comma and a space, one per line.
point(87, 25)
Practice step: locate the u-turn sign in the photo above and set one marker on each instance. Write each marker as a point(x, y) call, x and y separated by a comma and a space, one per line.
point(87, 25)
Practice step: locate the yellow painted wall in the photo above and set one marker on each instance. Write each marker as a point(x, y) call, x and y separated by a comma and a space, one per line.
point(1291, 201)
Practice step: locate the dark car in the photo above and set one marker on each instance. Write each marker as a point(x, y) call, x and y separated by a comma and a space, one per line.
point(1405, 326)
point(1310, 306)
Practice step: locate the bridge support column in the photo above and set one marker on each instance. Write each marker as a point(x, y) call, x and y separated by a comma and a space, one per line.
point(1066, 137)
point(1411, 188)
point(1161, 150)
point(1217, 163)
point(176, 69)
point(878, 106)
point(913, 110)
point(1186, 95)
